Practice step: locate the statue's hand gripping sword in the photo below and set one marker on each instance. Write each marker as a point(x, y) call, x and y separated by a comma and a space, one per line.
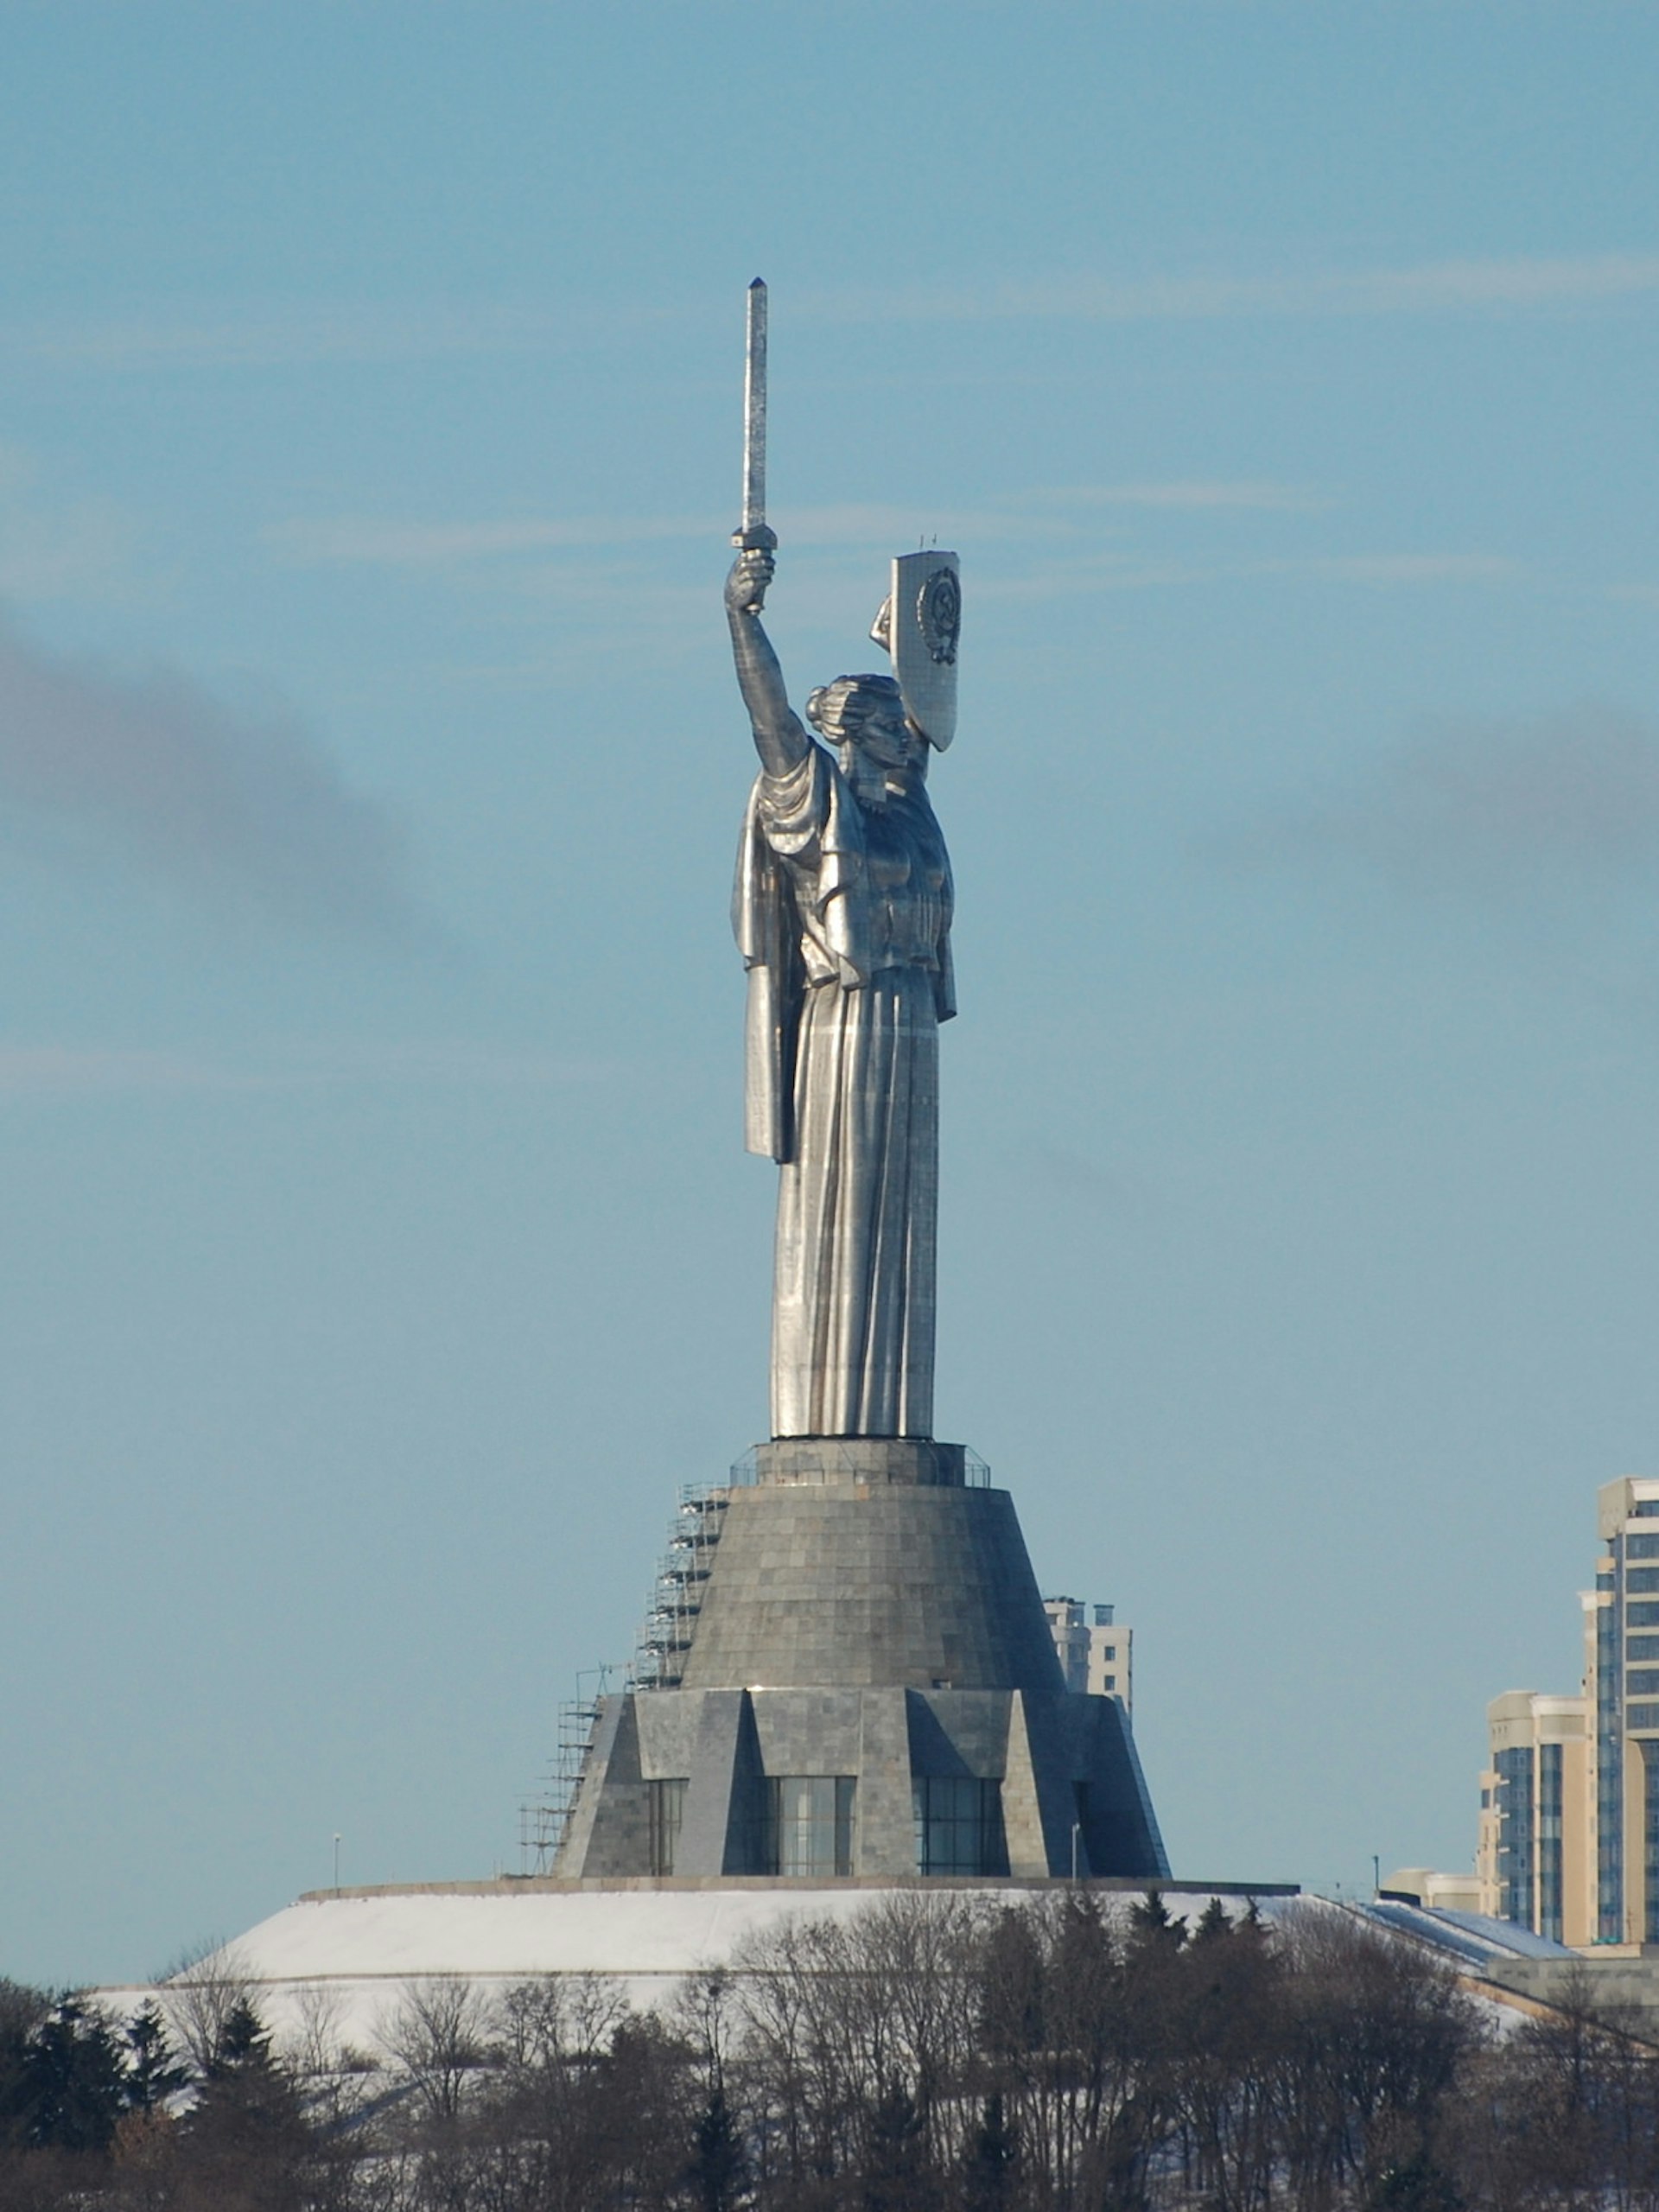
point(753, 534)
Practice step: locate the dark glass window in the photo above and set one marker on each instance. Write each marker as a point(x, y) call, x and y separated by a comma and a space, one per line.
point(1647, 1508)
point(1642, 1547)
point(1610, 1765)
point(1642, 1716)
point(809, 1824)
point(1639, 1648)
point(665, 1808)
point(958, 1825)
point(1651, 1847)
point(1549, 1778)
point(1514, 1866)
point(1638, 1683)
point(1642, 1616)
point(1549, 1840)
point(1643, 1579)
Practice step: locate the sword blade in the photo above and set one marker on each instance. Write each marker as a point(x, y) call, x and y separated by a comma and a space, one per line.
point(754, 413)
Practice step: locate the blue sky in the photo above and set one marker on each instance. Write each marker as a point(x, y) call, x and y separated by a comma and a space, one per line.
point(380, 1253)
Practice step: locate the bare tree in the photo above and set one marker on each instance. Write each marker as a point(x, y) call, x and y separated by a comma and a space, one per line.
point(313, 2046)
point(201, 1992)
point(567, 2018)
point(438, 2033)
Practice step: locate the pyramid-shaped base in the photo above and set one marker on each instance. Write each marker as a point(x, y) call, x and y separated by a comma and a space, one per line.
point(869, 1688)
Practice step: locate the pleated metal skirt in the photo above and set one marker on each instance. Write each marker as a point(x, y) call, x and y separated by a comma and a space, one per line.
point(853, 1312)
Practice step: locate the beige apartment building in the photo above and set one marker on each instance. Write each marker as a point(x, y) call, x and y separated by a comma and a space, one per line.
point(1622, 1684)
point(1445, 1892)
point(1535, 1860)
point(1568, 1840)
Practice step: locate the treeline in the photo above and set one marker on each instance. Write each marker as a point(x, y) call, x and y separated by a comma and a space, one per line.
point(938, 2052)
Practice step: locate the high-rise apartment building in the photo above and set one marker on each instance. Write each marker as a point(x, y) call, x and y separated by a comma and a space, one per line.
point(1622, 1683)
point(1533, 1861)
point(1569, 1802)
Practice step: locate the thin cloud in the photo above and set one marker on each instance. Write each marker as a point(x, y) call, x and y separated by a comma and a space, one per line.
point(1117, 571)
point(55, 1069)
point(1398, 567)
point(1501, 806)
point(243, 809)
point(320, 334)
point(1280, 499)
point(351, 539)
point(301, 334)
point(31, 1069)
point(1459, 287)
point(379, 541)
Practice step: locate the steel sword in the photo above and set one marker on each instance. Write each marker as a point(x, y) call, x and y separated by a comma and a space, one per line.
point(753, 534)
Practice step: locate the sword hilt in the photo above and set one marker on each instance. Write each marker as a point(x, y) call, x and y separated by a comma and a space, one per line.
point(757, 538)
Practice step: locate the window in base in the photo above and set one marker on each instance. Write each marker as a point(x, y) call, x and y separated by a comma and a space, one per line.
point(666, 1806)
point(958, 1825)
point(809, 1824)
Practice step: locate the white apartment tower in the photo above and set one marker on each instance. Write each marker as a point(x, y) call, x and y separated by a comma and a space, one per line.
point(1096, 1655)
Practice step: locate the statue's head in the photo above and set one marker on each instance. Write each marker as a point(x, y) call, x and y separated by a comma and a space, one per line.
point(865, 716)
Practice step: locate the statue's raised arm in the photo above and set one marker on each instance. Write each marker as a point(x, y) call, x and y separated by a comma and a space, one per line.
point(780, 738)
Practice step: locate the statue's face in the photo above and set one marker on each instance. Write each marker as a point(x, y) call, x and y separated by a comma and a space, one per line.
point(883, 735)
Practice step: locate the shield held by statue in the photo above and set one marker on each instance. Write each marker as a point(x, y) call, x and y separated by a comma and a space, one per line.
point(919, 626)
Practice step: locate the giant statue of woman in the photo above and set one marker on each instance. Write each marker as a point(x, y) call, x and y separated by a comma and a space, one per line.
point(842, 913)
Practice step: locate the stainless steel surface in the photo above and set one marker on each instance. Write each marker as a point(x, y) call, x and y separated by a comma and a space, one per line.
point(754, 419)
point(920, 625)
point(842, 913)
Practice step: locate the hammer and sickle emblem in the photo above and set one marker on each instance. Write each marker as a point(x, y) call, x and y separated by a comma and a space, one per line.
point(938, 614)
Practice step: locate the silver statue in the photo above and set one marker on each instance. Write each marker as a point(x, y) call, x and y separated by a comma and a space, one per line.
point(843, 913)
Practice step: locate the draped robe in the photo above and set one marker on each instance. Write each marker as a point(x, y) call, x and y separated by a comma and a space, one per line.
point(843, 913)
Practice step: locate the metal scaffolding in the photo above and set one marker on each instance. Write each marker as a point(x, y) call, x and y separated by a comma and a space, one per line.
point(676, 1596)
point(542, 1821)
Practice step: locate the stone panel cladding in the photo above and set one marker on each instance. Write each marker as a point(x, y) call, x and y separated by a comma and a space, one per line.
point(1072, 1797)
point(904, 1586)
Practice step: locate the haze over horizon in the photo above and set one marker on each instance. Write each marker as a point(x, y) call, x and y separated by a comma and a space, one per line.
point(382, 1255)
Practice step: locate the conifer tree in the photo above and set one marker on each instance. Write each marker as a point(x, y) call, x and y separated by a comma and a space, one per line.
point(71, 2083)
point(1213, 1922)
point(154, 2073)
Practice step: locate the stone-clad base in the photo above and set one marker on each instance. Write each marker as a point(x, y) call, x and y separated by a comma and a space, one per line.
point(865, 1615)
point(1072, 1800)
